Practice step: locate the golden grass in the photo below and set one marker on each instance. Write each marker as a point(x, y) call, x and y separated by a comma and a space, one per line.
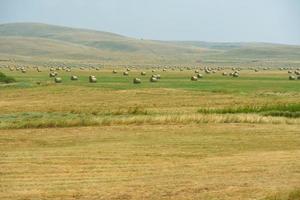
point(207, 161)
point(146, 143)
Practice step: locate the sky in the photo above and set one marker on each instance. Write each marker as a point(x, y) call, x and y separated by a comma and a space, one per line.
point(275, 21)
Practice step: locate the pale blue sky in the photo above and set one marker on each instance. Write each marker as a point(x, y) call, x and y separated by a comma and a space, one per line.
point(276, 21)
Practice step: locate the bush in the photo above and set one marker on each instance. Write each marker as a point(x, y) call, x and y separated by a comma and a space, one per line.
point(6, 79)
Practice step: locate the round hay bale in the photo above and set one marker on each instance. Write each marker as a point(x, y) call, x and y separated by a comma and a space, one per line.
point(137, 81)
point(143, 73)
point(158, 76)
point(23, 71)
point(74, 78)
point(224, 74)
point(236, 74)
point(114, 71)
point(194, 78)
point(92, 79)
point(298, 77)
point(196, 71)
point(153, 79)
point(291, 77)
point(52, 74)
point(125, 73)
point(199, 76)
point(57, 80)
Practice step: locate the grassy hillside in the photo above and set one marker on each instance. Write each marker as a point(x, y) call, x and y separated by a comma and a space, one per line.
point(34, 42)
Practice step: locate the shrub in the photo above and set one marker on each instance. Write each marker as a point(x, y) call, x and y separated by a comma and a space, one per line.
point(6, 79)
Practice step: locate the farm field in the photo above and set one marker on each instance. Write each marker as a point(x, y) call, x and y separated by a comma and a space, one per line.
point(220, 137)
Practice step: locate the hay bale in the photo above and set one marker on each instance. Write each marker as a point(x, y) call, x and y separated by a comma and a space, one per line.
point(194, 78)
point(207, 71)
point(291, 77)
point(74, 78)
point(52, 74)
point(92, 79)
point(137, 81)
point(57, 80)
point(143, 73)
point(23, 70)
point(125, 73)
point(199, 76)
point(224, 74)
point(196, 71)
point(114, 71)
point(153, 79)
point(236, 74)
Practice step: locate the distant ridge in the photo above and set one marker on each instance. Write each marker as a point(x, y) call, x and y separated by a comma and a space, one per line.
point(37, 41)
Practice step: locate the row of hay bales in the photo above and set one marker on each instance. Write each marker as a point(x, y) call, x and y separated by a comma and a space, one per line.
point(153, 79)
point(92, 79)
point(294, 73)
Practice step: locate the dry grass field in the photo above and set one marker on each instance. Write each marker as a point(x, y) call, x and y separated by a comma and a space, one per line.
point(216, 138)
point(205, 161)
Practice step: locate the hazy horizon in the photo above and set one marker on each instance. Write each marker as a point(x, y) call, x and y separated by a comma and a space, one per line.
point(276, 21)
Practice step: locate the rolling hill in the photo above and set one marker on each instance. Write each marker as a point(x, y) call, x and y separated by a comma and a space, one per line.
point(34, 42)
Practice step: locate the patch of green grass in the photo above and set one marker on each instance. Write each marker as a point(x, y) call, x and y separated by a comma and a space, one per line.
point(6, 79)
point(282, 110)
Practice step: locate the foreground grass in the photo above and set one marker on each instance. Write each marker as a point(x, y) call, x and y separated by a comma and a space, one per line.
point(55, 120)
point(219, 161)
point(149, 141)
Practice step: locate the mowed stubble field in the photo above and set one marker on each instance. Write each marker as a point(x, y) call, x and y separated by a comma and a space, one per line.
point(117, 140)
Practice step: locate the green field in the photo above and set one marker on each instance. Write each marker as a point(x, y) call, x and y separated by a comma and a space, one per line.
point(220, 137)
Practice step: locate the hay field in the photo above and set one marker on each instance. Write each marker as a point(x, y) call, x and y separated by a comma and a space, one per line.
point(216, 138)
